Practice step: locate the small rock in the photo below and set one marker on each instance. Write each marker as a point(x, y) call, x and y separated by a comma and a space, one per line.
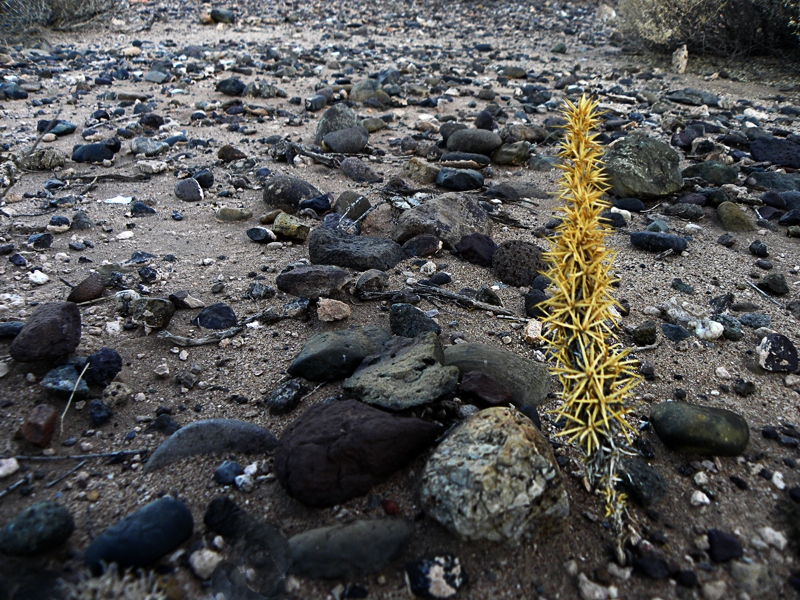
point(332, 310)
point(696, 429)
point(723, 546)
point(52, 331)
point(732, 218)
point(38, 528)
point(409, 321)
point(777, 353)
point(435, 577)
point(189, 190)
point(216, 316)
point(285, 398)
point(227, 472)
point(39, 425)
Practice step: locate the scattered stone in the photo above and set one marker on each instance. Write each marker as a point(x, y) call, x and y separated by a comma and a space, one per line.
point(774, 284)
point(642, 483)
point(285, 398)
point(52, 331)
point(332, 310)
point(286, 192)
point(335, 355)
point(409, 321)
point(732, 218)
point(189, 190)
point(213, 435)
point(216, 316)
point(459, 180)
point(339, 450)
point(712, 172)
point(38, 528)
point(351, 140)
point(723, 546)
point(313, 281)
point(477, 248)
point(643, 168)
point(518, 263)
point(142, 537)
point(645, 334)
point(360, 253)
point(336, 118)
point(154, 313)
point(356, 549)
point(63, 380)
point(448, 216)
point(697, 429)
point(359, 171)
point(777, 353)
point(493, 478)
point(658, 242)
point(487, 390)
point(226, 473)
point(91, 288)
point(436, 577)
point(776, 150)
point(406, 372)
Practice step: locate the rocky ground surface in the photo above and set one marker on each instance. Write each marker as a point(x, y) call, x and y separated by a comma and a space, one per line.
point(269, 390)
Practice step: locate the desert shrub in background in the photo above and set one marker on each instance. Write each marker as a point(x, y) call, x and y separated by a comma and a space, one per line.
point(21, 18)
point(714, 26)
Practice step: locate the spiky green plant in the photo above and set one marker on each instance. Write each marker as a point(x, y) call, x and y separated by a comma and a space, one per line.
point(596, 374)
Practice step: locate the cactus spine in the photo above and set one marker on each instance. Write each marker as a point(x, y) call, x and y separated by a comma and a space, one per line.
point(596, 374)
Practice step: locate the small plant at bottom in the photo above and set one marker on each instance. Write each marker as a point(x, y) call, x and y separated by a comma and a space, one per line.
point(596, 373)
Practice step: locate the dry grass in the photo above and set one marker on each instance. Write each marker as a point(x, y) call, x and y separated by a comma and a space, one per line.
point(21, 19)
point(714, 26)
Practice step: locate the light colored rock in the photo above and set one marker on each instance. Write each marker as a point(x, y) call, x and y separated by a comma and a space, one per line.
point(38, 278)
point(8, 466)
point(332, 310)
point(533, 332)
point(590, 590)
point(204, 561)
point(772, 537)
point(680, 59)
point(714, 590)
point(494, 478)
point(722, 373)
point(792, 381)
point(152, 167)
point(699, 499)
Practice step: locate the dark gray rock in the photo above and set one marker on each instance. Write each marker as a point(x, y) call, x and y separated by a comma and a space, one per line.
point(339, 450)
point(658, 242)
point(755, 320)
point(336, 354)
point(216, 316)
point(313, 281)
point(233, 86)
point(213, 435)
point(351, 204)
point(152, 312)
point(643, 168)
point(459, 180)
point(227, 472)
point(63, 380)
point(351, 140)
point(142, 537)
point(675, 333)
point(361, 253)
point(189, 190)
point(222, 15)
point(713, 172)
point(353, 550)
point(359, 171)
point(285, 398)
point(409, 321)
point(97, 152)
point(435, 577)
point(642, 483)
point(779, 182)
point(776, 150)
point(723, 546)
point(693, 97)
point(518, 263)
point(696, 429)
point(774, 284)
point(475, 141)
point(286, 192)
point(527, 380)
point(448, 216)
point(10, 329)
point(52, 331)
point(337, 117)
point(690, 212)
point(517, 153)
point(477, 249)
point(405, 372)
point(38, 528)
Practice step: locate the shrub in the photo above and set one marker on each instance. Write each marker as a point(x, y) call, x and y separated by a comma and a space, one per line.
point(713, 26)
point(21, 18)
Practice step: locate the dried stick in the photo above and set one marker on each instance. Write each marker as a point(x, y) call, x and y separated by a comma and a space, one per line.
point(79, 456)
point(12, 487)
point(763, 293)
point(71, 396)
point(65, 475)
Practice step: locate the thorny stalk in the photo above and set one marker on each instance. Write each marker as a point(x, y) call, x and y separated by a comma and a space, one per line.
point(596, 374)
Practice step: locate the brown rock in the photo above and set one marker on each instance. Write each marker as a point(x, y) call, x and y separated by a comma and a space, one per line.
point(485, 388)
point(332, 310)
point(39, 425)
point(90, 288)
point(53, 331)
point(229, 154)
point(337, 451)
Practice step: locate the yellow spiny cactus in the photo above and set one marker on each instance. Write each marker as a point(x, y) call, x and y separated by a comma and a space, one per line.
point(594, 370)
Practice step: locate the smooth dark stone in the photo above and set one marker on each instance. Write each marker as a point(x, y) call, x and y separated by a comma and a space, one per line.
point(777, 353)
point(233, 86)
point(104, 365)
point(475, 141)
point(642, 483)
point(41, 241)
point(227, 472)
point(313, 281)
point(675, 333)
point(261, 235)
point(646, 334)
point(359, 171)
point(713, 172)
point(140, 209)
point(477, 248)
point(216, 316)
point(425, 244)
point(352, 550)
point(286, 192)
point(351, 140)
point(464, 156)
point(142, 537)
point(629, 204)
point(459, 180)
point(97, 152)
point(533, 299)
point(99, 413)
point(189, 190)
point(697, 429)
point(10, 329)
point(774, 284)
point(723, 546)
point(758, 248)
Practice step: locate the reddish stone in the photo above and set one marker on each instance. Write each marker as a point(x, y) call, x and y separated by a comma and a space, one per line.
point(390, 507)
point(39, 425)
point(485, 388)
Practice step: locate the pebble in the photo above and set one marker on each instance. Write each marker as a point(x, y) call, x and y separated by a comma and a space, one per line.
point(8, 466)
point(697, 429)
point(38, 528)
point(226, 473)
point(204, 561)
point(142, 537)
point(39, 425)
point(777, 353)
point(216, 316)
point(332, 310)
point(723, 546)
point(189, 190)
point(440, 576)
